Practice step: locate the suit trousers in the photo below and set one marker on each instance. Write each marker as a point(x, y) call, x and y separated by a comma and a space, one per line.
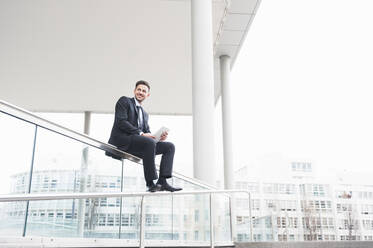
point(146, 148)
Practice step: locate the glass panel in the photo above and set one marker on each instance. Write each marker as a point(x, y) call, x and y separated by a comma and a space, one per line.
point(59, 218)
point(242, 212)
point(161, 222)
point(55, 152)
point(52, 218)
point(65, 165)
point(12, 218)
point(222, 223)
point(16, 145)
point(133, 177)
point(158, 218)
point(191, 218)
point(130, 223)
point(178, 182)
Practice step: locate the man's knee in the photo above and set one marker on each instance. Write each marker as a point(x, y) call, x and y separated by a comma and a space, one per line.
point(149, 143)
point(171, 147)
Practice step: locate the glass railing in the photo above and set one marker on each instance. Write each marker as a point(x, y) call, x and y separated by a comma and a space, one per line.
point(149, 220)
point(41, 157)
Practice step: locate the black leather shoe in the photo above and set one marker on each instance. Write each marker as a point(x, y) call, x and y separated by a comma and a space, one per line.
point(166, 187)
point(154, 188)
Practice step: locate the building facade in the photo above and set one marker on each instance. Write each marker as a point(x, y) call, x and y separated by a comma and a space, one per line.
point(303, 208)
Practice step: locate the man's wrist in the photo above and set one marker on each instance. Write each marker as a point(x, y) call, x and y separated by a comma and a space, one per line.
point(141, 133)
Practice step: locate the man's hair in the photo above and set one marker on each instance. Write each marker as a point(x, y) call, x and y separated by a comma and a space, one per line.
point(143, 83)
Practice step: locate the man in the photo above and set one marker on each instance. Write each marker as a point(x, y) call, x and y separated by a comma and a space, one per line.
point(131, 134)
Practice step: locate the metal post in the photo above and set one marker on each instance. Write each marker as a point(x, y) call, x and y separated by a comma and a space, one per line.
point(232, 214)
point(83, 175)
point(172, 216)
point(81, 202)
point(142, 223)
point(211, 223)
point(121, 201)
point(250, 219)
point(74, 190)
point(29, 181)
point(272, 225)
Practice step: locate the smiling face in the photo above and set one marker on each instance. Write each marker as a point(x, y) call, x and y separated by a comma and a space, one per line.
point(141, 92)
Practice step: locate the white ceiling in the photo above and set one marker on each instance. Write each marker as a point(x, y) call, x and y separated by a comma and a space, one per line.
point(234, 26)
point(82, 55)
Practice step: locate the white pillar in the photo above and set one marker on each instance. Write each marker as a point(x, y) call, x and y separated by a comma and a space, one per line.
point(203, 91)
point(225, 69)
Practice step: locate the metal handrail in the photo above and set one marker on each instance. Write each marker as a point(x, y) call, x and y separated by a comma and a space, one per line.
point(32, 118)
point(27, 116)
point(64, 196)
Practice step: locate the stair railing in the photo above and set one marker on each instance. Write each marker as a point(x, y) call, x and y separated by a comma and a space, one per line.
point(27, 116)
point(143, 195)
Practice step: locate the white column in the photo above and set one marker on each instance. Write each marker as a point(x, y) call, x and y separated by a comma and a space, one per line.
point(225, 69)
point(203, 91)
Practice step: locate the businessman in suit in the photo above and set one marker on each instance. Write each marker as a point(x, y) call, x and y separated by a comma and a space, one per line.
point(131, 134)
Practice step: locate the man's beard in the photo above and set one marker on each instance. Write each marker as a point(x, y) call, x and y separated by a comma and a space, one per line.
point(140, 101)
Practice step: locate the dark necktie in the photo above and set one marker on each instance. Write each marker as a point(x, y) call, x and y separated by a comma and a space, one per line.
point(140, 117)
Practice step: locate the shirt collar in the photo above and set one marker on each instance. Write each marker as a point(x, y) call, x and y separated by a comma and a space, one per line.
point(136, 102)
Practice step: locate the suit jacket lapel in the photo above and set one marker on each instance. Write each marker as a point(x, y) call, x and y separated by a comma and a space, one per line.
point(134, 106)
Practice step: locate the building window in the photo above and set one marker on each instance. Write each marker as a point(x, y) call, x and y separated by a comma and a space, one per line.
point(110, 220)
point(103, 202)
point(255, 204)
point(125, 220)
point(268, 222)
point(117, 219)
point(196, 216)
point(132, 219)
point(102, 220)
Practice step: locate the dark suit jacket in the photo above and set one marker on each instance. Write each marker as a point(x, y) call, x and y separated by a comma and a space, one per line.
point(125, 123)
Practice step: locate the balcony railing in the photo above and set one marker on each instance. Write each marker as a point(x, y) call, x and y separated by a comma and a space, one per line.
point(63, 186)
point(210, 193)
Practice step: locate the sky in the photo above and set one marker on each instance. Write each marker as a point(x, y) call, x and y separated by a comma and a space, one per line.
point(302, 85)
point(301, 89)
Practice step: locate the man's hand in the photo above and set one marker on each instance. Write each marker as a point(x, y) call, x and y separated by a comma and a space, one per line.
point(149, 135)
point(164, 136)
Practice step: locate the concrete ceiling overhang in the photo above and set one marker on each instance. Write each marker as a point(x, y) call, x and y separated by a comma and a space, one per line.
point(232, 22)
point(82, 55)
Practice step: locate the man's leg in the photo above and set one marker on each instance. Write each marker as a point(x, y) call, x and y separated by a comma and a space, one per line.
point(144, 148)
point(167, 149)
